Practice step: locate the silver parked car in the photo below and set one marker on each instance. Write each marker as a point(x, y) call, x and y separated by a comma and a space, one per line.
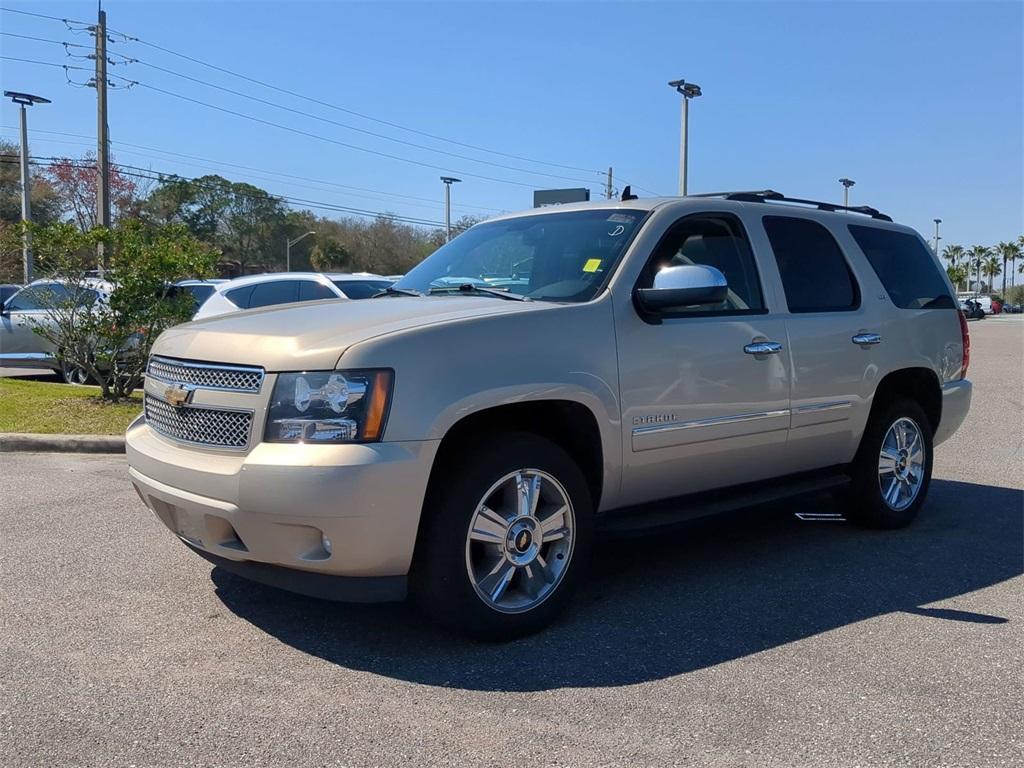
point(547, 376)
point(21, 346)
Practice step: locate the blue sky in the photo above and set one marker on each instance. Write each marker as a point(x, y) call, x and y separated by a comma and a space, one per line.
point(920, 102)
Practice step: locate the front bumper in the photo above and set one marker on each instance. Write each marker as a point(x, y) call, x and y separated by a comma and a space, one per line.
point(277, 503)
point(956, 402)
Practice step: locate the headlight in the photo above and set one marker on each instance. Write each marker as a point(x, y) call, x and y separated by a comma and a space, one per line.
point(329, 407)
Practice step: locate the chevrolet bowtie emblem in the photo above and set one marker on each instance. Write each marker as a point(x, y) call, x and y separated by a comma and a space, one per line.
point(178, 394)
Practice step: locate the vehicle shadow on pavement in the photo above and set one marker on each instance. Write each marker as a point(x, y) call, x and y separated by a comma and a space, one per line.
point(664, 605)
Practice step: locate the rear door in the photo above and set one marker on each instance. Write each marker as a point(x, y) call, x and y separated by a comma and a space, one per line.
point(700, 410)
point(834, 334)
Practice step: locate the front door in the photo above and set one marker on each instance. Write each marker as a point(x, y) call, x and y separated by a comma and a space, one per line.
point(705, 391)
point(19, 343)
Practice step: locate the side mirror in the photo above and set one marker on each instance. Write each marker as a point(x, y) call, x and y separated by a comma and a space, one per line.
point(685, 286)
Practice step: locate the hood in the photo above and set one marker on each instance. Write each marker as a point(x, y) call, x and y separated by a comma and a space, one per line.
point(313, 335)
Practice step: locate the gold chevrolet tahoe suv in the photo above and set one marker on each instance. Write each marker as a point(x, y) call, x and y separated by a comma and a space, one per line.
point(463, 437)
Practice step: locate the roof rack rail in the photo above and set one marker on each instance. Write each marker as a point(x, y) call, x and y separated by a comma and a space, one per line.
point(764, 195)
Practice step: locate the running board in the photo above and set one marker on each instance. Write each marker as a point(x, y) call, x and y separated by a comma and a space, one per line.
point(664, 514)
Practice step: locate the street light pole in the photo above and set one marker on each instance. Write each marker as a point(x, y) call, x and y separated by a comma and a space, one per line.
point(687, 91)
point(847, 183)
point(448, 181)
point(288, 250)
point(937, 238)
point(25, 100)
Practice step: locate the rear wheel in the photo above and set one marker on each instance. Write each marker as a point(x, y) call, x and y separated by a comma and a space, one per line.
point(893, 467)
point(74, 374)
point(506, 537)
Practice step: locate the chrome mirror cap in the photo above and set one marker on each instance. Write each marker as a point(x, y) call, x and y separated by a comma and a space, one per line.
point(684, 286)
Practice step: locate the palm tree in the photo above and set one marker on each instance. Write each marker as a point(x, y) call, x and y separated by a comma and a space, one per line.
point(991, 268)
point(975, 257)
point(952, 254)
point(1008, 252)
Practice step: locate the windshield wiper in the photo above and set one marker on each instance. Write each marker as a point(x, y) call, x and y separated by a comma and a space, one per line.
point(392, 291)
point(469, 288)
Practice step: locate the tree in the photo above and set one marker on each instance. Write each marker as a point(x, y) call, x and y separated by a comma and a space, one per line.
point(45, 207)
point(1008, 252)
point(74, 183)
point(956, 274)
point(990, 268)
point(111, 339)
point(953, 254)
point(976, 257)
point(330, 256)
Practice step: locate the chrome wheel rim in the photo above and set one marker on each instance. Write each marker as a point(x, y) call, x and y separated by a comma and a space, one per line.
point(520, 541)
point(74, 374)
point(901, 464)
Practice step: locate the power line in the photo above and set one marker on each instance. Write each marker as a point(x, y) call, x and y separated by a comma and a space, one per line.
point(257, 170)
point(364, 116)
point(45, 63)
point(358, 129)
point(44, 40)
point(42, 16)
point(144, 173)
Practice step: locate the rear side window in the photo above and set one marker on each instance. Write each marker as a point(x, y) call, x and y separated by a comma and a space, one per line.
point(312, 291)
point(240, 297)
point(277, 292)
point(906, 268)
point(361, 289)
point(814, 272)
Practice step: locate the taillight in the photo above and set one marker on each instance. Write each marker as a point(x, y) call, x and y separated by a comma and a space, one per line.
point(965, 337)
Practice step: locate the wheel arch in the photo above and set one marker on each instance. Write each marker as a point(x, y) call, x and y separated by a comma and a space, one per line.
point(920, 384)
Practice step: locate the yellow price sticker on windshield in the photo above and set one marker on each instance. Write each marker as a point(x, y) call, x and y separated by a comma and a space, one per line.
point(592, 265)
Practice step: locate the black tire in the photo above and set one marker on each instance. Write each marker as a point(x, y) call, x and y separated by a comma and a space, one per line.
point(864, 502)
point(440, 583)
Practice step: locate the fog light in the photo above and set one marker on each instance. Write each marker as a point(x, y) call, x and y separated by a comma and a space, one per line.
point(327, 544)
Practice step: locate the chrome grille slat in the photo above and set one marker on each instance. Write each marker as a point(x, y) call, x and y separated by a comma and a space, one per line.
point(234, 378)
point(201, 425)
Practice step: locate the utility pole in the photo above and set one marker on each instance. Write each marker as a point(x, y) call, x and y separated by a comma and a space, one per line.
point(847, 183)
point(937, 238)
point(102, 137)
point(687, 91)
point(288, 250)
point(25, 100)
point(609, 191)
point(448, 181)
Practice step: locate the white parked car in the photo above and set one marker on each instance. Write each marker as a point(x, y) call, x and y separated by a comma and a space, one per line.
point(289, 288)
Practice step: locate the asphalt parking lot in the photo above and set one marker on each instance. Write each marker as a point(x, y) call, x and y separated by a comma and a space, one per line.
point(754, 640)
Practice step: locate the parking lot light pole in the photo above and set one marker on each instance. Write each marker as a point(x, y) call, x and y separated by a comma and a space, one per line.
point(448, 181)
point(687, 91)
point(937, 238)
point(288, 250)
point(25, 100)
point(847, 183)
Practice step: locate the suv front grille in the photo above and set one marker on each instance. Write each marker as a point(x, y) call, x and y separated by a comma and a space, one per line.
point(236, 378)
point(202, 425)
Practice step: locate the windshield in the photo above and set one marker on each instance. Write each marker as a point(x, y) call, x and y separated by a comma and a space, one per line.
point(554, 257)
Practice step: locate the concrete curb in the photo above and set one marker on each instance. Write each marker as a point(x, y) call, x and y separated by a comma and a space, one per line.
point(34, 443)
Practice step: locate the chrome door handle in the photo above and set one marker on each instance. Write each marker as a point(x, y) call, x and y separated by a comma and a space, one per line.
point(865, 339)
point(763, 348)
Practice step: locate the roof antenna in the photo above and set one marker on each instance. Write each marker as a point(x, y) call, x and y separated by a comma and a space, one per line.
point(627, 194)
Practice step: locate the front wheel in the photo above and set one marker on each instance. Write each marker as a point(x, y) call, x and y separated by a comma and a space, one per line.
point(893, 467)
point(506, 538)
point(74, 374)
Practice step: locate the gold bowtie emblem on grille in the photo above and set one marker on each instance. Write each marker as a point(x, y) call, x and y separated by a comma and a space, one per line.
point(178, 395)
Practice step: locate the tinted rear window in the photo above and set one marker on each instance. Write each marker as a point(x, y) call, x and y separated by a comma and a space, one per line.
point(311, 291)
point(814, 271)
point(906, 268)
point(240, 296)
point(271, 294)
point(361, 289)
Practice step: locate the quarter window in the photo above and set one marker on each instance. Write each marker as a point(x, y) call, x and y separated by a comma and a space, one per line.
point(814, 271)
point(713, 241)
point(906, 268)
